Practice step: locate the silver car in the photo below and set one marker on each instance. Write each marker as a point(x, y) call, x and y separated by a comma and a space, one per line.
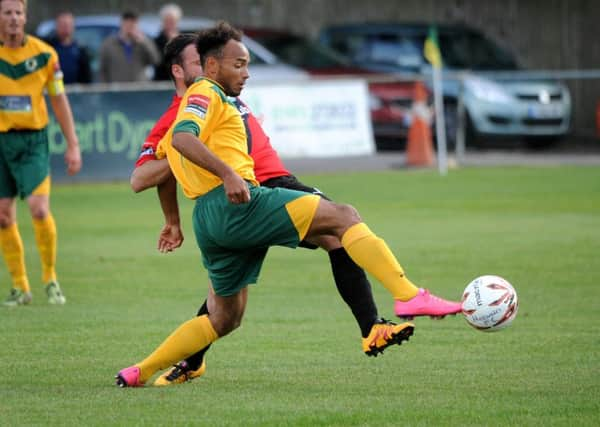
point(539, 109)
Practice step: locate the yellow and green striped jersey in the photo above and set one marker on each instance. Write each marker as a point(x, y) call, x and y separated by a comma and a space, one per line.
point(24, 73)
point(206, 112)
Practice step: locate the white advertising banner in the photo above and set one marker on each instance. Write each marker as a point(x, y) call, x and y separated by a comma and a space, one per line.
point(314, 118)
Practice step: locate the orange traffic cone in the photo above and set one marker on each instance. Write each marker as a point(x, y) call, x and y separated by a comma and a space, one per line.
point(419, 147)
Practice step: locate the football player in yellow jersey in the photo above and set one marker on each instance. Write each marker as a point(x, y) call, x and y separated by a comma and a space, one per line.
point(235, 221)
point(29, 66)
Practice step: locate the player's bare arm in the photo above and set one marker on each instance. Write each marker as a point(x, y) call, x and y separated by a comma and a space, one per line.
point(171, 236)
point(64, 116)
point(188, 145)
point(150, 174)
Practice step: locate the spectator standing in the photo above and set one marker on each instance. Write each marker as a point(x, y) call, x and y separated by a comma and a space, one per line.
point(74, 58)
point(125, 56)
point(170, 14)
point(30, 67)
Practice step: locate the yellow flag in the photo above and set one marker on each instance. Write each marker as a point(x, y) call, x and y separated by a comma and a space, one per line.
point(431, 49)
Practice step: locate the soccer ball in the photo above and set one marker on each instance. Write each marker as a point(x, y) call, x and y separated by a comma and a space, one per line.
point(489, 303)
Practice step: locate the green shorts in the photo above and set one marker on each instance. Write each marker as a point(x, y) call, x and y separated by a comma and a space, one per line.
point(234, 239)
point(24, 162)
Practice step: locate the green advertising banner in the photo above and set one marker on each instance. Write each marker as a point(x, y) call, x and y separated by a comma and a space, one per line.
point(308, 119)
point(111, 127)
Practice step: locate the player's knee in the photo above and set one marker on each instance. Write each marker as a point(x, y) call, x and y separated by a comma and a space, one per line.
point(39, 212)
point(235, 323)
point(227, 326)
point(225, 323)
point(6, 220)
point(350, 214)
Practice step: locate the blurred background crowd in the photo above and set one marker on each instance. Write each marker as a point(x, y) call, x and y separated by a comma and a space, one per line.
point(519, 68)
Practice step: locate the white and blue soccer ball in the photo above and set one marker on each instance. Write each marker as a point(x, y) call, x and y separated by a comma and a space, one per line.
point(489, 303)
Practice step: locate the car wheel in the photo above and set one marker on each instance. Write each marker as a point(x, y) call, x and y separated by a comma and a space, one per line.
point(472, 138)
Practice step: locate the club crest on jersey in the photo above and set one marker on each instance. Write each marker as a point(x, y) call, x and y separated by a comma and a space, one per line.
point(197, 105)
point(31, 64)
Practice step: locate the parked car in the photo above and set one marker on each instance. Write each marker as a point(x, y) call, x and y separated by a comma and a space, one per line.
point(390, 101)
point(91, 30)
point(539, 110)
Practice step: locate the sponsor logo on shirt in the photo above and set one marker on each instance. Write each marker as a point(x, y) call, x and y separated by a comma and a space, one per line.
point(15, 103)
point(196, 110)
point(199, 100)
point(197, 105)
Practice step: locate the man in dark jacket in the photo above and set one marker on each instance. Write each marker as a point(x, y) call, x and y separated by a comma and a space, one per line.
point(74, 59)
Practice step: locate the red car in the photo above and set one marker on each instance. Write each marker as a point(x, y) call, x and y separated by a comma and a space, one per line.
point(390, 99)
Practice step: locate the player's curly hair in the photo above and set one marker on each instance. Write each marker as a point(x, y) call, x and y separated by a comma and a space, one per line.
point(212, 40)
point(174, 49)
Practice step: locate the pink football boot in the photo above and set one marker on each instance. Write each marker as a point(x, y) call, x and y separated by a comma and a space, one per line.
point(426, 304)
point(129, 377)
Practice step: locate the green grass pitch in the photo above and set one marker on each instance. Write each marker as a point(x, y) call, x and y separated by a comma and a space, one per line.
point(297, 359)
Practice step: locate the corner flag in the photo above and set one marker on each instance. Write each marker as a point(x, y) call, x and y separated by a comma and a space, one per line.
point(431, 51)
point(431, 48)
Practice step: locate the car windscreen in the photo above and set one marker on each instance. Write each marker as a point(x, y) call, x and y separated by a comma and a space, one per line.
point(302, 52)
point(385, 48)
point(471, 50)
point(459, 49)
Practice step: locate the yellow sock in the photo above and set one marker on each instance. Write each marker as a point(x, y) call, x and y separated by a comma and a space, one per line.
point(372, 253)
point(45, 236)
point(187, 339)
point(14, 256)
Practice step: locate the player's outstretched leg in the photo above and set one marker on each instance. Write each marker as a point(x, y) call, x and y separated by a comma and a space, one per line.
point(373, 254)
point(385, 333)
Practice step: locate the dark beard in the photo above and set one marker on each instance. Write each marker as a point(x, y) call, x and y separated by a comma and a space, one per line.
point(230, 92)
point(189, 81)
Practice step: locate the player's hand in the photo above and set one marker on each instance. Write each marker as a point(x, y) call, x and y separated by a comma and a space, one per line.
point(236, 189)
point(73, 159)
point(170, 238)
